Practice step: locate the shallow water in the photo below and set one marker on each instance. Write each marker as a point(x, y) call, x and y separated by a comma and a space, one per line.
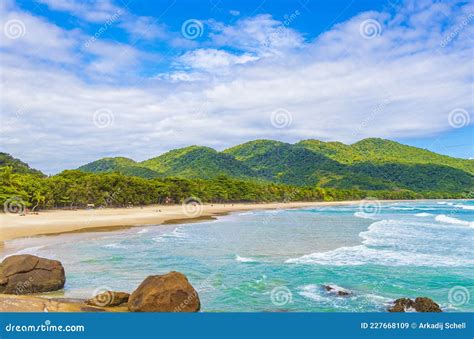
point(278, 260)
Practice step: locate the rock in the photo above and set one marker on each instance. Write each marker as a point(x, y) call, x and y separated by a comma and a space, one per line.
point(424, 304)
point(24, 274)
point(421, 304)
point(337, 290)
point(170, 292)
point(27, 303)
point(402, 305)
point(109, 299)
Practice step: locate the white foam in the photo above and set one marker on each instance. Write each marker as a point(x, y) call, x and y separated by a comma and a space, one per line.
point(312, 292)
point(145, 230)
point(465, 207)
point(453, 221)
point(363, 255)
point(364, 215)
point(29, 250)
point(243, 259)
point(423, 214)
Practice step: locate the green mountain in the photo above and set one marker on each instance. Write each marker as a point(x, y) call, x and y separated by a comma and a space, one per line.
point(197, 162)
point(122, 165)
point(376, 150)
point(370, 164)
point(17, 166)
point(284, 163)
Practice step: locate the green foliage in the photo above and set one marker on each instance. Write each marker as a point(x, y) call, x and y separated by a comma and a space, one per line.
point(370, 164)
point(257, 171)
point(197, 162)
point(16, 165)
point(77, 189)
point(381, 151)
point(122, 165)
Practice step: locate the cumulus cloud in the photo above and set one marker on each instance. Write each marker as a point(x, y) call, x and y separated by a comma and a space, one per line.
point(401, 78)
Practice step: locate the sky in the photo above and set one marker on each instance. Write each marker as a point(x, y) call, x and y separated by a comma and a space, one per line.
point(82, 80)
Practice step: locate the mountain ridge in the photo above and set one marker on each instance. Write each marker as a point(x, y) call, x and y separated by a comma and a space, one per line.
point(371, 163)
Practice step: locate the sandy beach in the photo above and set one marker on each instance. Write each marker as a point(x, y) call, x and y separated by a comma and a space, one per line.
point(63, 221)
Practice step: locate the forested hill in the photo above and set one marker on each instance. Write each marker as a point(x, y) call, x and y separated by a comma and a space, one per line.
point(370, 164)
point(256, 171)
point(16, 165)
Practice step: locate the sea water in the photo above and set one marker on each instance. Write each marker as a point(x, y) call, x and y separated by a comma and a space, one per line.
point(280, 260)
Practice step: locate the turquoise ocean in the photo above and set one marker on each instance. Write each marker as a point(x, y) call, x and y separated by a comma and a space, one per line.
point(279, 260)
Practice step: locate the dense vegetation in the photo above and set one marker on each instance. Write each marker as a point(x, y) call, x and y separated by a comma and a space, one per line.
point(76, 189)
point(370, 164)
point(257, 171)
point(16, 164)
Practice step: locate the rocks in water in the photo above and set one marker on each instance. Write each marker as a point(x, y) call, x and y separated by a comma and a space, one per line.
point(109, 299)
point(420, 304)
point(339, 291)
point(24, 274)
point(169, 292)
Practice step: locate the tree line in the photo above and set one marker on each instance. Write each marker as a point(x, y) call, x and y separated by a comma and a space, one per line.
point(76, 189)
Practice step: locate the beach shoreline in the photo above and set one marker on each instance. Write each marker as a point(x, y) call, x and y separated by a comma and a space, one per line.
point(54, 222)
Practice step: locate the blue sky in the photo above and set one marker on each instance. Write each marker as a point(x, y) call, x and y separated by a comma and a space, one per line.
point(87, 79)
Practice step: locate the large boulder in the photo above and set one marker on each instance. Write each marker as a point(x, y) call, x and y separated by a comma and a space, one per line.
point(420, 304)
point(169, 292)
point(24, 274)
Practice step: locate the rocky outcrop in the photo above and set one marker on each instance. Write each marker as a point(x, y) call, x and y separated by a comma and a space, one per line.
point(109, 299)
point(169, 292)
point(339, 291)
point(23, 303)
point(24, 274)
point(420, 304)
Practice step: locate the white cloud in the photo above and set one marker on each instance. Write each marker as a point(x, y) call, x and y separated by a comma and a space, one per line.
point(97, 11)
point(213, 59)
point(339, 86)
point(103, 11)
point(260, 34)
point(145, 28)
